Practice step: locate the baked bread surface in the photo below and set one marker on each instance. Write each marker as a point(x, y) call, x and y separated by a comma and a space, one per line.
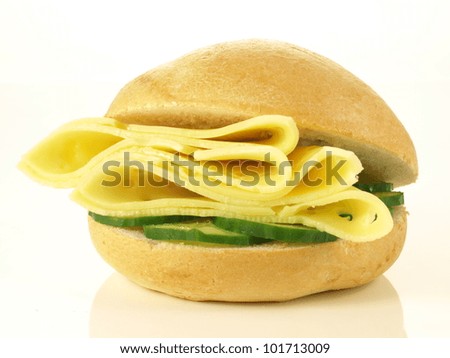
point(270, 272)
point(233, 81)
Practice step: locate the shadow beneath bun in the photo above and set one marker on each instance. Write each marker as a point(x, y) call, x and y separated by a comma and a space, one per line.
point(123, 309)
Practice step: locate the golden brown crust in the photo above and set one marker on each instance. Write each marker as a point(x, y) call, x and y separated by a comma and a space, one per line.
point(228, 82)
point(275, 272)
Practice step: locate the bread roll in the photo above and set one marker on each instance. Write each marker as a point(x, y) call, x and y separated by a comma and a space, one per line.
point(230, 82)
point(270, 272)
point(233, 81)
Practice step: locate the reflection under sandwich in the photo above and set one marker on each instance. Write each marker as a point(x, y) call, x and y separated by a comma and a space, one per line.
point(122, 309)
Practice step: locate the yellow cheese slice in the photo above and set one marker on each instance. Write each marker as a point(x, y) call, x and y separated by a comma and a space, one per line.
point(352, 214)
point(273, 130)
point(251, 170)
point(59, 159)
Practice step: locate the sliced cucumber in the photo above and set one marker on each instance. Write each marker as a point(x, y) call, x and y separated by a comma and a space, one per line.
point(201, 230)
point(279, 232)
point(375, 187)
point(139, 221)
point(392, 198)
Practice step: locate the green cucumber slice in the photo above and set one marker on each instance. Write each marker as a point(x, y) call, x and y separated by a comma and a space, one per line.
point(280, 232)
point(392, 198)
point(139, 221)
point(199, 231)
point(375, 187)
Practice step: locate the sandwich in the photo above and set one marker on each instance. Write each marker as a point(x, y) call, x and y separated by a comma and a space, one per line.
point(246, 171)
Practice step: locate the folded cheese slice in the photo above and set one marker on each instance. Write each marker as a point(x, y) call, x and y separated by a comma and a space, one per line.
point(251, 169)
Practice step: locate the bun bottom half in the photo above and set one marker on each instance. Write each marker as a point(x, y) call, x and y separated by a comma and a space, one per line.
point(269, 272)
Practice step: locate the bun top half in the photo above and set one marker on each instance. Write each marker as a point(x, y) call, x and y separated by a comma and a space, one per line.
point(233, 81)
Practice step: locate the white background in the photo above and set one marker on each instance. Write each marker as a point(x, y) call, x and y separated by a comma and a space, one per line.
point(62, 60)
